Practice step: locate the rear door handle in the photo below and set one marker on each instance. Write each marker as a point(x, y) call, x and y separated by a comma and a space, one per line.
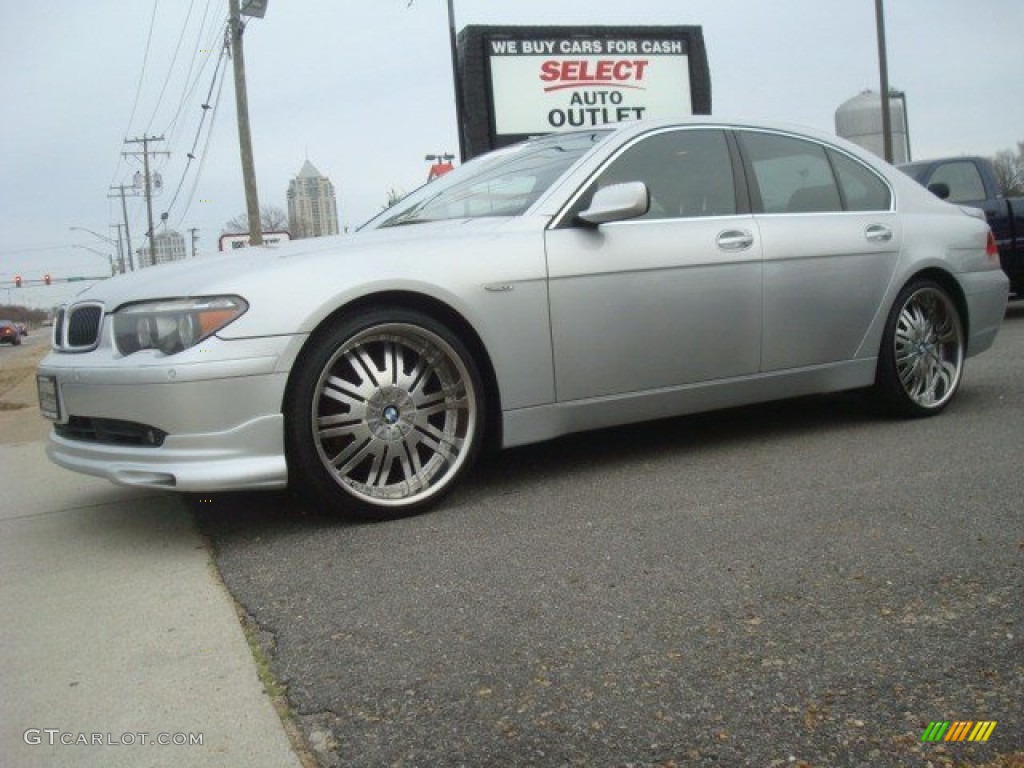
point(878, 233)
point(735, 240)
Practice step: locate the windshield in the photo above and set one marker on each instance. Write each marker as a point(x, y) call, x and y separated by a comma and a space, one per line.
point(501, 183)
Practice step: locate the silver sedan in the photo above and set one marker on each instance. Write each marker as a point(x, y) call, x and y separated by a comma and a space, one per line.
point(572, 282)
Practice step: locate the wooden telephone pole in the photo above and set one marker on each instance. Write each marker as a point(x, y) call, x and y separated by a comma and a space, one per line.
point(252, 201)
point(147, 184)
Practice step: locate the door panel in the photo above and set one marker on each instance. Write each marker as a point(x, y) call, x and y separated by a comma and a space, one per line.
point(642, 305)
point(824, 278)
point(830, 244)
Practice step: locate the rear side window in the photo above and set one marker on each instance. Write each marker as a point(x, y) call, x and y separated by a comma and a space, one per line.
point(792, 175)
point(862, 189)
point(963, 179)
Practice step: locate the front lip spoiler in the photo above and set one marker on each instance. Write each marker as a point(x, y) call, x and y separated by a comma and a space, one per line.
point(247, 457)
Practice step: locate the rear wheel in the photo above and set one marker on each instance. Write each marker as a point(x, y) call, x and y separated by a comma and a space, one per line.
point(922, 355)
point(385, 412)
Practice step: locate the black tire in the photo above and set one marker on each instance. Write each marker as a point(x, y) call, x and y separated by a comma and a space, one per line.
point(921, 361)
point(385, 411)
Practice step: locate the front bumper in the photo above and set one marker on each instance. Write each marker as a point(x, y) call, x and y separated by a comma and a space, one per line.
point(219, 405)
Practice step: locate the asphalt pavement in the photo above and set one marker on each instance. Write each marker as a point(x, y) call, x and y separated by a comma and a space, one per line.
point(119, 645)
point(796, 584)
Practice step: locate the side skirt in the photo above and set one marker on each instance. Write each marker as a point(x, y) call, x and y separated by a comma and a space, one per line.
point(544, 422)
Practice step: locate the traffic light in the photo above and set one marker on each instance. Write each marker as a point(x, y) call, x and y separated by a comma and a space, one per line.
point(46, 278)
point(17, 281)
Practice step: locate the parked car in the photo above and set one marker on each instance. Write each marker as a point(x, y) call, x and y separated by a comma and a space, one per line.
point(972, 181)
point(571, 282)
point(9, 333)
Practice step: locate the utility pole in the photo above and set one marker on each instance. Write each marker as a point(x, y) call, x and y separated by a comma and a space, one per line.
point(883, 69)
point(252, 202)
point(127, 232)
point(456, 80)
point(146, 152)
point(120, 250)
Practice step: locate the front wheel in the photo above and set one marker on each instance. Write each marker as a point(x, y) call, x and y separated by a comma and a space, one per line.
point(384, 413)
point(922, 356)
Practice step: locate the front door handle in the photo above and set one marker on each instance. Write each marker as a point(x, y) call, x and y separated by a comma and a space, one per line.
point(735, 240)
point(878, 233)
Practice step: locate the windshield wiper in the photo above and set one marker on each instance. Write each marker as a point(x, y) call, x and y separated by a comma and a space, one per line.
point(405, 222)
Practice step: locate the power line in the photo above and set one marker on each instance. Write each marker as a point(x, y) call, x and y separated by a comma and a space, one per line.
point(205, 154)
point(142, 77)
point(205, 53)
point(207, 108)
point(170, 68)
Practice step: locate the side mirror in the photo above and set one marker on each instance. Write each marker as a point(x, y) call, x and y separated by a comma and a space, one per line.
point(940, 190)
point(617, 202)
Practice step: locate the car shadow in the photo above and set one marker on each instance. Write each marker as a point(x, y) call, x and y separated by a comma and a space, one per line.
point(223, 516)
point(1015, 309)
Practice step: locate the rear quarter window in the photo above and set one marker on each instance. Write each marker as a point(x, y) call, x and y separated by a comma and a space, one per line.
point(862, 189)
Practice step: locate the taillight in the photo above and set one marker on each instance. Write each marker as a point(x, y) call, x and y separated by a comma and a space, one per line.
point(991, 249)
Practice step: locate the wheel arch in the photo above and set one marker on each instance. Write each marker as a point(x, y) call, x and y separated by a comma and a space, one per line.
point(952, 286)
point(442, 313)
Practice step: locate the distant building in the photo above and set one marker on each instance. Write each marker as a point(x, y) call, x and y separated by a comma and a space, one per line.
point(169, 245)
point(312, 208)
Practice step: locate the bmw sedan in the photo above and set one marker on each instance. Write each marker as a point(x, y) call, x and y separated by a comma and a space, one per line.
point(574, 281)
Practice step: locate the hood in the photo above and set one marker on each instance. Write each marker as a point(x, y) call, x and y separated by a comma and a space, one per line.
point(235, 272)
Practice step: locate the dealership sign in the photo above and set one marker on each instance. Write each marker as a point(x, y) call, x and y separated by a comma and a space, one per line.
point(546, 85)
point(538, 80)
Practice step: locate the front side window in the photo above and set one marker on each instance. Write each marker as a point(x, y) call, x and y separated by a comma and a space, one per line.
point(688, 173)
point(792, 175)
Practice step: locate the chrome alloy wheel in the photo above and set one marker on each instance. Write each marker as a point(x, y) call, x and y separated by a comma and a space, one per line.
point(393, 414)
point(929, 348)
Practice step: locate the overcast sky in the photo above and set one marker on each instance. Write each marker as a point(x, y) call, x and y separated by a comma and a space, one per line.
point(364, 91)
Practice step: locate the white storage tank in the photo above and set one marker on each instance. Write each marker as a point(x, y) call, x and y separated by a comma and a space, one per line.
point(860, 121)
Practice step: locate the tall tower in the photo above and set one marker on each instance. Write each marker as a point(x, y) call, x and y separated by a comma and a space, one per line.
point(312, 208)
point(860, 120)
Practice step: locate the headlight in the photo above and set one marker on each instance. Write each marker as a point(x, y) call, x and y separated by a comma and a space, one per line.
point(171, 325)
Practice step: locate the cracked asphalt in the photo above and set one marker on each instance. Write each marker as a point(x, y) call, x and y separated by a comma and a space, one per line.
point(797, 584)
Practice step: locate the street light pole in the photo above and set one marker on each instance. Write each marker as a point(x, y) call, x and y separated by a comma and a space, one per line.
point(252, 203)
point(104, 238)
point(107, 256)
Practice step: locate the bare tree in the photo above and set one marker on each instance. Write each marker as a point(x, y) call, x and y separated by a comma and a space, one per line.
point(394, 196)
point(1010, 170)
point(272, 219)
